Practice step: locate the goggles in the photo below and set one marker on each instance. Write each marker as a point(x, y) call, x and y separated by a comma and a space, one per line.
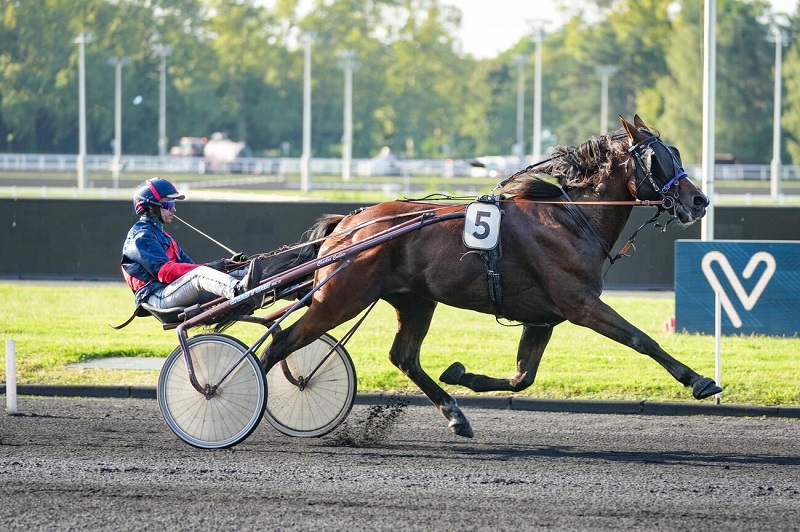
point(168, 205)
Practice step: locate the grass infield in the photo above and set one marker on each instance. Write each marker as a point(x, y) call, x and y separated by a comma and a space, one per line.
point(54, 326)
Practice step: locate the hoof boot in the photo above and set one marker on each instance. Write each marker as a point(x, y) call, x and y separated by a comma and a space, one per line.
point(705, 387)
point(453, 374)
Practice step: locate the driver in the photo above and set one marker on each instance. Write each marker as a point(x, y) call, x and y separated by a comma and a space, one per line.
point(159, 272)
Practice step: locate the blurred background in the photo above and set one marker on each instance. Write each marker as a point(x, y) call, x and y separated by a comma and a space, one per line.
point(285, 89)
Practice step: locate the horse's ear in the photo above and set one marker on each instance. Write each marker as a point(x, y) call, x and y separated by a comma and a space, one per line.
point(629, 128)
point(639, 123)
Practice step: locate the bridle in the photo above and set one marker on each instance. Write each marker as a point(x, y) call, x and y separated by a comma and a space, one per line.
point(649, 186)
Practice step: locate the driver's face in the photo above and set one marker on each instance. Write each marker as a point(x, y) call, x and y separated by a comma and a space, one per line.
point(168, 214)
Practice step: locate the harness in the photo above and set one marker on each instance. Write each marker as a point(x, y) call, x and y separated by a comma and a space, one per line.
point(642, 153)
point(490, 258)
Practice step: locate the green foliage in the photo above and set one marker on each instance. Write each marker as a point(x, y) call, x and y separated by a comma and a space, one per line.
point(56, 325)
point(236, 66)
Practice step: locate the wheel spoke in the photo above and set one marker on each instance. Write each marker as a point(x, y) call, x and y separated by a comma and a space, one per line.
point(327, 397)
point(232, 412)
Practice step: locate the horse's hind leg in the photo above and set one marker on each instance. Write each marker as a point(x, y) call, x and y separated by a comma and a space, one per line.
point(413, 320)
point(529, 353)
point(320, 318)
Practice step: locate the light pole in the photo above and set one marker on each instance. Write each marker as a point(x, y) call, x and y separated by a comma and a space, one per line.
point(775, 174)
point(347, 63)
point(305, 157)
point(519, 147)
point(163, 51)
point(538, 35)
point(82, 39)
point(709, 101)
point(604, 71)
point(117, 63)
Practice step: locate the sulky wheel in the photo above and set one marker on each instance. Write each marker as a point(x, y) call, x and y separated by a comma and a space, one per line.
point(232, 412)
point(309, 394)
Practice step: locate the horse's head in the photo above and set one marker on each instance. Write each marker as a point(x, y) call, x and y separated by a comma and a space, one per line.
point(658, 174)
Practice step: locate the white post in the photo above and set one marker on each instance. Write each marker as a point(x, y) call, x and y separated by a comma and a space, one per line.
point(348, 64)
point(605, 72)
point(82, 39)
point(11, 378)
point(162, 50)
point(604, 105)
point(709, 101)
point(305, 157)
point(117, 63)
point(537, 93)
point(520, 61)
point(717, 343)
point(775, 177)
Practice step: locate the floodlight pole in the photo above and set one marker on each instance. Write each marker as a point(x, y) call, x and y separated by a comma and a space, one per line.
point(604, 71)
point(305, 157)
point(538, 34)
point(775, 177)
point(709, 101)
point(163, 51)
point(520, 61)
point(117, 63)
point(81, 40)
point(347, 63)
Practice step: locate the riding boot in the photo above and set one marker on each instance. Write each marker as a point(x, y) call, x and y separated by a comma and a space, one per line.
point(252, 280)
point(254, 274)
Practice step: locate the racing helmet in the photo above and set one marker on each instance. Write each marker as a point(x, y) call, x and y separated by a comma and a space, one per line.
point(153, 192)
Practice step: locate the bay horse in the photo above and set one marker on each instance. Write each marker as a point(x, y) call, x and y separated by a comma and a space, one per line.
point(554, 239)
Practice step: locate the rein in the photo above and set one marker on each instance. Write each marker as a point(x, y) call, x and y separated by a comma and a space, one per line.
point(576, 212)
point(635, 203)
point(641, 168)
point(582, 219)
point(630, 243)
point(349, 230)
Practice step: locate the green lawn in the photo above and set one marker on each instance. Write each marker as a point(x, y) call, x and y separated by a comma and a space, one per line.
point(55, 325)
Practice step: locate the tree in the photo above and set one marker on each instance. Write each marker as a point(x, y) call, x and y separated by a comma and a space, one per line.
point(743, 97)
point(36, 55)
point(791, 84)
point(744, 82)
point(236, 66)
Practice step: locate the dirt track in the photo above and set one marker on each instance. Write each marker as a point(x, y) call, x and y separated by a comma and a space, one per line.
point(82, 464)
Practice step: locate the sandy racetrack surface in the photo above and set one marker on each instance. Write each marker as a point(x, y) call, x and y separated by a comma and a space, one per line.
point(111, 464)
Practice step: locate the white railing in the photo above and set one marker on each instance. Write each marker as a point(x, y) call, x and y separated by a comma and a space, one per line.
point(281, 166)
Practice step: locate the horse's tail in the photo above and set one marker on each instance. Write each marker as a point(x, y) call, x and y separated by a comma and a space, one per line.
point(285, 258)
point(324, 227)
point(299, 253)
point(314, 236)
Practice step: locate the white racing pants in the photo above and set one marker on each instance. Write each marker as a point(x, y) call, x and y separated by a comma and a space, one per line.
point(198, 286)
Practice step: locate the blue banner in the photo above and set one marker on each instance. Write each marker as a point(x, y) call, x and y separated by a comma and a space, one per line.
point(758, 283)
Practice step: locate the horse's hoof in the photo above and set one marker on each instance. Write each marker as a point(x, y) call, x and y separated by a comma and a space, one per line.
point(452, 375)
point(705, 387)
point(462, 428)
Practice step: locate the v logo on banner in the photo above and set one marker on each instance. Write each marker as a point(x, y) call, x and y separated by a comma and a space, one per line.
point(748, 300)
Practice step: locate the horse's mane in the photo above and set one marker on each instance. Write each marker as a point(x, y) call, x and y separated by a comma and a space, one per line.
point(570, 167)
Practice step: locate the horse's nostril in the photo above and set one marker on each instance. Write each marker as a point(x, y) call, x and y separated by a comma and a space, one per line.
point(701, 201)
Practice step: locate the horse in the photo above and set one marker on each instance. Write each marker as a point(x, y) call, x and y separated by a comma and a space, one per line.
point(555, 239)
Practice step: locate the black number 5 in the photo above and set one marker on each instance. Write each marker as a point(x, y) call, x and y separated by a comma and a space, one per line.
point(482, 225)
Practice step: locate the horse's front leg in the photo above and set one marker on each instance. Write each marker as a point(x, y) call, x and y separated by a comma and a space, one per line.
point(413, 319)
point(599, 317)
point(529, 354)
